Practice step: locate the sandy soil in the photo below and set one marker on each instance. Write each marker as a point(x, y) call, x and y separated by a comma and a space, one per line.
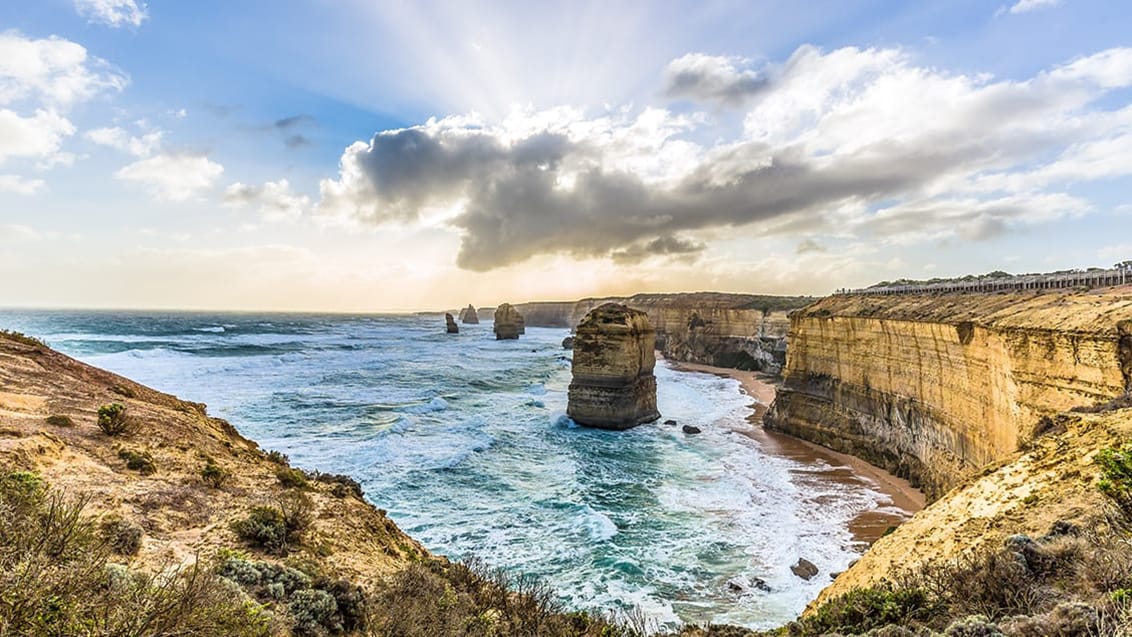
point(904, 499)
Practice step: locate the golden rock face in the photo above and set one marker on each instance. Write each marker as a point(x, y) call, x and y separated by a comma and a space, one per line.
point(695, 327)
point(935, 387)
point(508, 322)
point(613, 386)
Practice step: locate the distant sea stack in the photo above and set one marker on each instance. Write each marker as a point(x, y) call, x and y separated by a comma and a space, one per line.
point(451, 324)
point(508, 322)
point(468, 315)
point(613, 385)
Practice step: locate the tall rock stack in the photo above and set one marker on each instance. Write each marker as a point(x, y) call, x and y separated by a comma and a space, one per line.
point(508, 322)
point(613, 385)
point(450, 324)
point(468, 315)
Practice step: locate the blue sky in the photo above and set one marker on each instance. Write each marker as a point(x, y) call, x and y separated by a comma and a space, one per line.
point(223, 154)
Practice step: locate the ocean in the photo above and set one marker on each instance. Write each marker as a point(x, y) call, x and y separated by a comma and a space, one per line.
point(464, 441)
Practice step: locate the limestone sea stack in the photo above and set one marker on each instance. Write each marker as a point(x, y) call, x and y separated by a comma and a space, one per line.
point(613, 385)
point(508, 322)
point(468, 315)
point(451, 324)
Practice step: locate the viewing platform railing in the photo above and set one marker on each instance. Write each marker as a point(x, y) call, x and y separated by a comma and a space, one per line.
point(1081, 278)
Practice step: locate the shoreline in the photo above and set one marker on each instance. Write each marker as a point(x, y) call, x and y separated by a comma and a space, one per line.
point(868, 526)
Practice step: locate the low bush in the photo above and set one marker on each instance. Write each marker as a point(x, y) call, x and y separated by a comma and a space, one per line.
point(214, 475)
point(1116, 476)
point(60, 421)
point(122, 536)
point(55, 578)
point(341, 486)
point(22, 338)
point(279, 458)
point(277, 529)
point(865, 609)
point(140, 461)
point(291, 478)
point(434, 598)
point(113, 419)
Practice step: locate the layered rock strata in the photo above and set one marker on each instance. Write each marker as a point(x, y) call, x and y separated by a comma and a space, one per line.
point(935, 387)
point(450, 324)
point(613, 386)
point(468, 315)
point(727, 330)
point(508, 322)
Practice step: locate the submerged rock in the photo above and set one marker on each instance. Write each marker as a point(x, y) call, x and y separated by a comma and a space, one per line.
point(670, 422)
point(689, 429)
point(468, 315)
point(613, 386)
point(508, 322)
point(450, 324)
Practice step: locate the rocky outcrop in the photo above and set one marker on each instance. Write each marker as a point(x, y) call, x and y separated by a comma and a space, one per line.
point(508, 322)
point(728, 330)
point(613, 386)
point(450, 324)
point(468, 315)
point(568, 342)
point(934, 388)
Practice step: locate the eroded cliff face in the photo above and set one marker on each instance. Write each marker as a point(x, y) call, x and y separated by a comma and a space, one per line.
point(613, 386)
point(728, 330)
point(936, 387)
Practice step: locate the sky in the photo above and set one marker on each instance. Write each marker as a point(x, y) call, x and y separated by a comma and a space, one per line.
point(374, 155)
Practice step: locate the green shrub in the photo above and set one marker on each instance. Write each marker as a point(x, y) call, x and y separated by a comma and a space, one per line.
point(214, 475)
point(140, 461)
point(60, 421)
point(122, 536)
point(277, 528)
point(112, 419)
point(864, 609)
point(22, 338)
point(291, 478)
point(341, 486)
point(278, 458)
point(313, 612)
point(1116, 476)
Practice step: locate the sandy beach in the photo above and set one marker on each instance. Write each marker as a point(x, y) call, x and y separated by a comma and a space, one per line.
point(870, 525)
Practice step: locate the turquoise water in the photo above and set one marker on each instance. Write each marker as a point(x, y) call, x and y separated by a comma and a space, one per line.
point(464, 441)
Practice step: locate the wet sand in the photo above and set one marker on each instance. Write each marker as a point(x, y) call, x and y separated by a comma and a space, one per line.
point(904, 499)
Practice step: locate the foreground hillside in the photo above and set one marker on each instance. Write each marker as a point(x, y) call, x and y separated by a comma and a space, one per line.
point(125, 511)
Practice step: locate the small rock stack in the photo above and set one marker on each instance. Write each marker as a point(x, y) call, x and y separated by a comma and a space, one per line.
point(468, 315)
point(508, 323)
point(450, 323)
point(613, 386)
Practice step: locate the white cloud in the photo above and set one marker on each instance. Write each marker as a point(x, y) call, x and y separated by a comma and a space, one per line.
point(52, 71)
point(1022, 6)
point(173, 177)
point(712, 78)
point(118, 139)
point(851, 142)
point(20, 185)
point(275, 199)
point(113, 13)
point(38, 136)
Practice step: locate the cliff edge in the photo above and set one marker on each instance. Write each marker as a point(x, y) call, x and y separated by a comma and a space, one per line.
point(935, 387)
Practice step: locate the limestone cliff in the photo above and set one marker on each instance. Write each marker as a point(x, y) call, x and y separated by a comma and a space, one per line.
point(728, 330)
point(508, 322)
point(468, 315)
point(613, 386)
point(936, 387)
